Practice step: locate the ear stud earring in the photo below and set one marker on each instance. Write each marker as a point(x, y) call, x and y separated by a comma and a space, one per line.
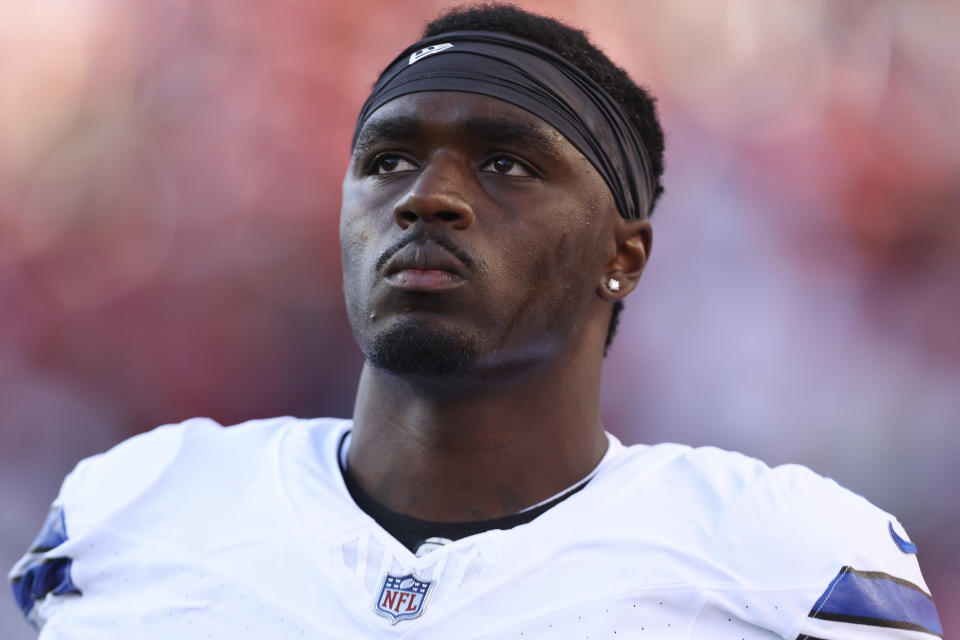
point(613, 284)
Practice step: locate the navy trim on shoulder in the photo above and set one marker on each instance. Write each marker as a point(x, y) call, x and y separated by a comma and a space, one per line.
point(53, 533)
point(36, 576)
point(878, 599)
point(41, 577)
point(905, 545)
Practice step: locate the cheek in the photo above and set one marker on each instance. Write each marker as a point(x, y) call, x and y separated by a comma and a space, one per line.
point(559, 259)
point(355, 236)
point(578, 252)
point(362, 222)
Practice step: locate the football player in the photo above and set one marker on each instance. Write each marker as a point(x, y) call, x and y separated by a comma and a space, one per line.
point(495, 215)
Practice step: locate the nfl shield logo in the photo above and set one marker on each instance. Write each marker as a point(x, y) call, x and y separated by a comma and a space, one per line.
point(402, 597)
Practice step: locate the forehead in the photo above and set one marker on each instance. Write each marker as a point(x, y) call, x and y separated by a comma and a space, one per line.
point(453, 112)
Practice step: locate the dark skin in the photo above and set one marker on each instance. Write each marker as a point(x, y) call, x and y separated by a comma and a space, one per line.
point(537, 233)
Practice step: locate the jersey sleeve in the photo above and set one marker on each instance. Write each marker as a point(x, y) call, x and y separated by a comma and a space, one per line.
point(878, 592)
point(45, 580)
point(833, 566)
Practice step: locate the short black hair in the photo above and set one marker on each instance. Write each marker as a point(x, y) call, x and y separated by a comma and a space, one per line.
point(574, 45)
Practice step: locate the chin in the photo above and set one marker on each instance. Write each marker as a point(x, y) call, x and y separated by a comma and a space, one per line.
point(423, 349)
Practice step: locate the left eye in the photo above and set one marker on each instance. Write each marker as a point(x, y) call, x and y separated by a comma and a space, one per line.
point(506, 166)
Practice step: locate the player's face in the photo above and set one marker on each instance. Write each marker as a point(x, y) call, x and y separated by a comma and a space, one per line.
point(470, 223)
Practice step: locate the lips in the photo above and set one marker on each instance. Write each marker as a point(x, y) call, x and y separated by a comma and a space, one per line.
point(424, 267)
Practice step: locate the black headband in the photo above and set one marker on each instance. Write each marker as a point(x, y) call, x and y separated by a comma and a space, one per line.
point(539, 81)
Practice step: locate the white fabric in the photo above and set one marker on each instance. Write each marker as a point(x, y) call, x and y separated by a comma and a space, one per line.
point(196, 531)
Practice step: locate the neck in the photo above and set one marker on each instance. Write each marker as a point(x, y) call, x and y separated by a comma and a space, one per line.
point(485, 454)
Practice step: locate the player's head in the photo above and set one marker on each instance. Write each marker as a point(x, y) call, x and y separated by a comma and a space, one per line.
point(574, 45)
point(533, 203)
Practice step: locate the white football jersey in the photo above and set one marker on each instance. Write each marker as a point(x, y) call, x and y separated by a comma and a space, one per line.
point(195, 531)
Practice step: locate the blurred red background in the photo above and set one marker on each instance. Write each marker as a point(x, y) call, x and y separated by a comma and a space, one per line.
point(169, 194)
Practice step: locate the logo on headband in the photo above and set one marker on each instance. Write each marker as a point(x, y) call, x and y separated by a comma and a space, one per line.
point(427, 51)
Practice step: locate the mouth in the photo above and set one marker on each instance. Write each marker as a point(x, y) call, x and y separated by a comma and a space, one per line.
point(424, 280)
point(425, 267)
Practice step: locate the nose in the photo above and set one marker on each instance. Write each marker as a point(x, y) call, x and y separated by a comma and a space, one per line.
point(439, 194)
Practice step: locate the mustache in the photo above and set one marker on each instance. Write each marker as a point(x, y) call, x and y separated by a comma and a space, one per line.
point(471, 263)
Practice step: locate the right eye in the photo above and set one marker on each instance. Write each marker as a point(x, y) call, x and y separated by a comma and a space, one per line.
point(390, 163)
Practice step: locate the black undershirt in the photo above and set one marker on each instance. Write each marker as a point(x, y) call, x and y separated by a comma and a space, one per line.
point(413, 532)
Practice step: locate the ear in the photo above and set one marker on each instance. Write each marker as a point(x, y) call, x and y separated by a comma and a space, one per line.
point(634, 240)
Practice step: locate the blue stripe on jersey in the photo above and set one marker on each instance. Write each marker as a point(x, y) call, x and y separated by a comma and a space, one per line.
point(53, 533)
point(40, 578)
point(876, 598)
point(905, 545)
point(35, 576)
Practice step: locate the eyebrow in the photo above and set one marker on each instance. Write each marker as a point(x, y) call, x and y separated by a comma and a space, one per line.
point(492, 130)
point(391, 129)
point(502, 131)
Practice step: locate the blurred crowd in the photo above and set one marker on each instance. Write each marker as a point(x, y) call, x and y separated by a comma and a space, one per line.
point(169, 195)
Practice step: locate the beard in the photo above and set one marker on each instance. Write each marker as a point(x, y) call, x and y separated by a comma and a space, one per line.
point(423, 350)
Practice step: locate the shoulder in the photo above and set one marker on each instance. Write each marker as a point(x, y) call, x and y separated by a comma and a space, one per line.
point(788, 529)
point(750, 506)
point(737, 485)
point(792, 507)
point(162, 491)
point(191, 451)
